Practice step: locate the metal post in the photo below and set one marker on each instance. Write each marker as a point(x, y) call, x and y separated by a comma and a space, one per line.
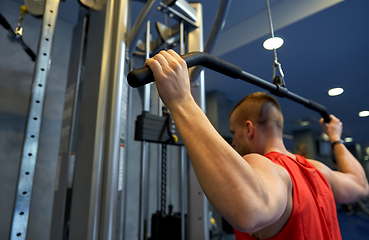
point(67, 148)
point(183, 192)
point(143, 191)
point(138, 26)
point(219, 22)
point(183, 151)
point(198, 204)
point(160, 113)
point(125, 164)
point(144, 157)
point(195, 43)
point(97, 185)
point(116, 119)
point(33, 127)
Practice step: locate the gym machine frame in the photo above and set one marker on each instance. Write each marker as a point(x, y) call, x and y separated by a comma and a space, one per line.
point(90, 184)
point(33, 125)
point(90, 190)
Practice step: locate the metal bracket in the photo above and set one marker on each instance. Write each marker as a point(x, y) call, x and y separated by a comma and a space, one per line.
point(180, 14)
point(33, 127)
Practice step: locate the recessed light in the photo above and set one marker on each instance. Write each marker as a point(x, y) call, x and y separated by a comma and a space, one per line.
point(304, 123)
point(325, 137)
point(335, 91)
point(273, 43)
point(348, 139)
point(363, 113)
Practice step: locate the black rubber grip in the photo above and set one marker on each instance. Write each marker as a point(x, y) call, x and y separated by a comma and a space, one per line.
point(321, 109)
point(144, 75)
point(30, 53)
point(4, 23)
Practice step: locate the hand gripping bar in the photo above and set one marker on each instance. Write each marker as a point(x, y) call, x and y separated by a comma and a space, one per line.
point(144, 75)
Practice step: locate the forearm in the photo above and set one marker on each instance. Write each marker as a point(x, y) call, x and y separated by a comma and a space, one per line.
point(351, 176)
point(348, 164)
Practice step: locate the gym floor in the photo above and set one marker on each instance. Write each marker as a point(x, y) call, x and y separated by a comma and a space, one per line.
point(354, 222)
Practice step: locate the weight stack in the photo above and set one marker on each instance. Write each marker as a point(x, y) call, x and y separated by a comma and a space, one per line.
point(166, 227)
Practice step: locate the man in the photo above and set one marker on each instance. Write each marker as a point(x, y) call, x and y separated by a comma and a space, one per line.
point(261, 197)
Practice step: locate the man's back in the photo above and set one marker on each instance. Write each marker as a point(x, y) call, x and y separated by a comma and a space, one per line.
point(313, 213)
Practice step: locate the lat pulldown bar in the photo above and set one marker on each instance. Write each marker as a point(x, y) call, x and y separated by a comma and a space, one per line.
point(144, 75)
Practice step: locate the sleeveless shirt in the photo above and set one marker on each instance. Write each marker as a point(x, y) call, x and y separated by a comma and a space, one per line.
point(314, 215)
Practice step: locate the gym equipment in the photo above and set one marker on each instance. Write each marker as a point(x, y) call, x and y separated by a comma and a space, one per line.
point(157, 129)
point(144, 75)
point(166, 226)
point(218, 25)
point(276, 79)
point(16, 35)
point(36, 8)
point(33, 125)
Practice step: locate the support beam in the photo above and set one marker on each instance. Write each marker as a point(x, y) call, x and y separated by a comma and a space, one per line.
point(198, 205)
point(33, 126)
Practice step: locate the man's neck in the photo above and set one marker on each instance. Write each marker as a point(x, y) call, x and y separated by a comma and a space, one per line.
point(274, 144)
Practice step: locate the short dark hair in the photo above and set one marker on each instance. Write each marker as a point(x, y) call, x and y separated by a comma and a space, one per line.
point(269, 112)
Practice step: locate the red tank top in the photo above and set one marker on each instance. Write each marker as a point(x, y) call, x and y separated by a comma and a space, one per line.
point(314, 215)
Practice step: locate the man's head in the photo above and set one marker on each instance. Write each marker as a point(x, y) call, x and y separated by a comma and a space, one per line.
point(255, 119)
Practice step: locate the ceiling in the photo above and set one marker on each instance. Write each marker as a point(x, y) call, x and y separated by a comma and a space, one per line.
point(324, 48)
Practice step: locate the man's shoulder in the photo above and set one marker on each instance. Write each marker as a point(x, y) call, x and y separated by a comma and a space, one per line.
point(324, 169)
point(263, 161)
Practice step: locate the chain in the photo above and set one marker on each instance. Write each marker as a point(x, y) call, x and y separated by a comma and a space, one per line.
point(164, 179)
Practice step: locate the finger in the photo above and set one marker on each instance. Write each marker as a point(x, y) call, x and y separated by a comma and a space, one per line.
point(177, 57)
point(161, 59)
point(154, 65)
point(174, 54)
point(167, 56)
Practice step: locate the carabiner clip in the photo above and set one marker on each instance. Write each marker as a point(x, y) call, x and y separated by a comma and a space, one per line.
point(278, 80)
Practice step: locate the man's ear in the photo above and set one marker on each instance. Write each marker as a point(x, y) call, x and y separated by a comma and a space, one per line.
point(250, 129)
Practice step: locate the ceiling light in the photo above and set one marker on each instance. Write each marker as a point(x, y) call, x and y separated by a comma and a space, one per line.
point(348, 139)
point(325, 137)
point(335, 91)
point(304, 123)
point(363, 113)
point(273, 43)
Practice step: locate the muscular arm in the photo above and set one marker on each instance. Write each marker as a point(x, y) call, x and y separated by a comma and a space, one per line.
point(349, 184)
point(249, 192)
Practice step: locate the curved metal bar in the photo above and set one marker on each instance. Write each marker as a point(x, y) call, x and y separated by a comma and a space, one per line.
point(218, 25)
point(139, 25)
point(144, 75)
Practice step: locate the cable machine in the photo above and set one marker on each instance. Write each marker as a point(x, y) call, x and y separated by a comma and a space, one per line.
point(91, 180)
point(91, 183)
